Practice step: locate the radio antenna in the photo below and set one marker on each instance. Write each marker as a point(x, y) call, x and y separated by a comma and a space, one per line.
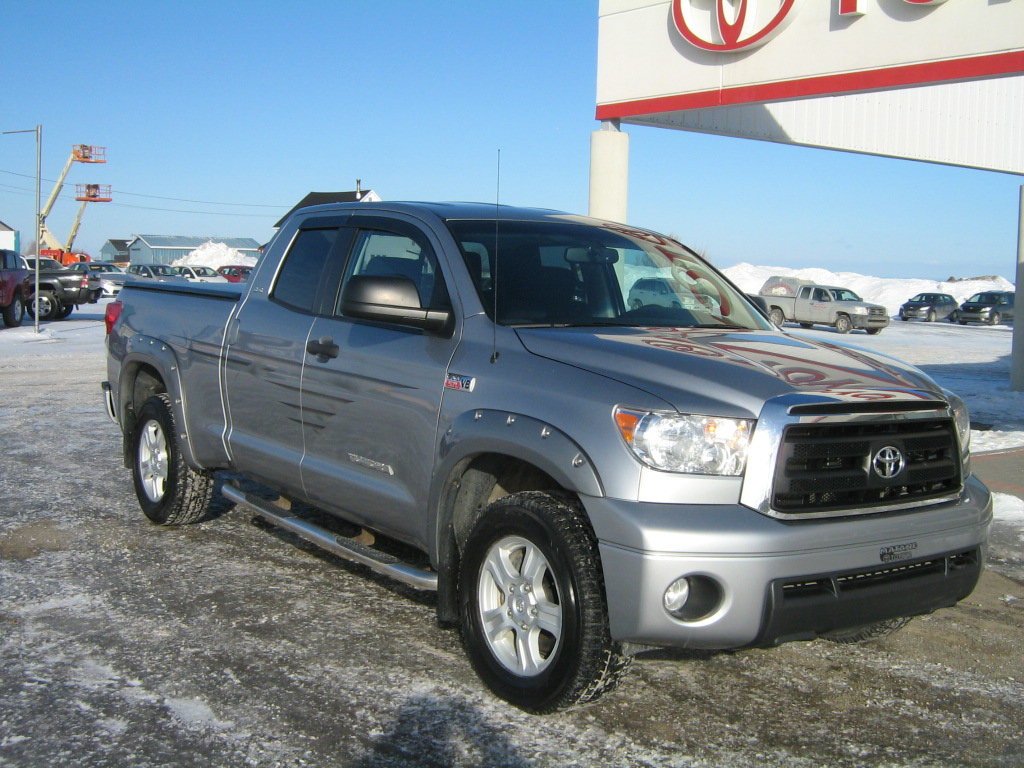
point(494, 265)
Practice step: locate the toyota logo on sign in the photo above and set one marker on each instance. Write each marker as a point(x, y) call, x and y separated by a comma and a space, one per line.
point(888, 462)
point(730, 25)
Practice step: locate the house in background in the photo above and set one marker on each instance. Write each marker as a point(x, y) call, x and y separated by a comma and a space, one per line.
point(10, 239)
point(319, 198)
point(115, 251)
point(164, 249)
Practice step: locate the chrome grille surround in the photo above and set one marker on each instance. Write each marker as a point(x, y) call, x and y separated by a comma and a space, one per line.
point(808, 420)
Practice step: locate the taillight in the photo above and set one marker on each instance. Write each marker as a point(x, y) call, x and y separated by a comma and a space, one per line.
point(110, 316)
point(85, 281)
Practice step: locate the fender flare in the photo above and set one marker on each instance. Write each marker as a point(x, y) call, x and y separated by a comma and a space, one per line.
point(504, 433)
point(143, 351)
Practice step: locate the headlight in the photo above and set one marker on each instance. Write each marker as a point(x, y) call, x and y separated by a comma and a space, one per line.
point(859, 310)
point(963, 422)
point(675, 442)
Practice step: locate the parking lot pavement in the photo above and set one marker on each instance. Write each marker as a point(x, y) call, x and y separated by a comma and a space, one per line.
point(1002, 471)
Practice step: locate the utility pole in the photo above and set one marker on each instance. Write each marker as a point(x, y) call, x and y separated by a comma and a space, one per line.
point(38, 131)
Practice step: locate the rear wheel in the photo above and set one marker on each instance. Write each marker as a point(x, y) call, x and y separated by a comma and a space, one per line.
point(44, 306)
point(776, 316)
point(14, 311)
point(532, 605)
point(169, 491)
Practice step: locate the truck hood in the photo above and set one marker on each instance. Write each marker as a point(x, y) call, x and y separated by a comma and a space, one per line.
point(727, 373)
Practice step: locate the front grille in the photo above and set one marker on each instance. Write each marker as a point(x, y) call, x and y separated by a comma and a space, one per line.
point(876, 310)
point(830, 466)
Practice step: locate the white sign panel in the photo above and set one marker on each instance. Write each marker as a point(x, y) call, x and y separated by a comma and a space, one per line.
point(691, 54)
point(934, 80)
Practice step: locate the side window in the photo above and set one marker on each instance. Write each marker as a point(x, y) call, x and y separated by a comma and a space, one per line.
point(805, 292)
point(388, 254)
point(302, 272)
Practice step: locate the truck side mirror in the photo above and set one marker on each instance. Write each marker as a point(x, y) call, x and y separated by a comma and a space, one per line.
point(391, 299)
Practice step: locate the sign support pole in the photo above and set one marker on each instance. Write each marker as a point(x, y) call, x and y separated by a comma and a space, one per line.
point(1017, 355)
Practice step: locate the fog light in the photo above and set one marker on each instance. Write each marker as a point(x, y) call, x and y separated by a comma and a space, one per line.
point(692, 598)
point(676, 595)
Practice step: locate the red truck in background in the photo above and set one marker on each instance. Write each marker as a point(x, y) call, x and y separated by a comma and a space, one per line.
point(15, 287)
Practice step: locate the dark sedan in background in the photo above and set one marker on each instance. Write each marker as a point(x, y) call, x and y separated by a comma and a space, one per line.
point(930, 307)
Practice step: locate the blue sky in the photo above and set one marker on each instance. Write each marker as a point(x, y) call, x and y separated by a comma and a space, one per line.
point(256, 104)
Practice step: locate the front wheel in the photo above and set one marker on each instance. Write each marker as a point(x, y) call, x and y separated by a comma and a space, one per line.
point(843, 324)
point(931, 316)
point(994, 318)
point(532, 605)
point(170, 492)
point(873, 331)
point(868, 631)
point(14, 311)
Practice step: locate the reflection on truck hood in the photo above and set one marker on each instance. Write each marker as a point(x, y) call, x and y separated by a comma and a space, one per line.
point(698, 369)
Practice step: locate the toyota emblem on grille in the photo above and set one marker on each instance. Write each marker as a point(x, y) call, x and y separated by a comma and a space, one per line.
point(888, 462)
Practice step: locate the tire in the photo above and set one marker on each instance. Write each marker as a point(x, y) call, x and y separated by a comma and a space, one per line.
point(169, 491)
point(953, 317)
point(14, 311)
point(868, 631)
point(532, 605)
point(636, 304)
point(44, 306)
point(65, 310)
point(777, 316)
point(806, 325)
point(962, 322)
point(903, 317)
point(931, 316)
point(994, 318)
point(843, 324)
point(873, 331)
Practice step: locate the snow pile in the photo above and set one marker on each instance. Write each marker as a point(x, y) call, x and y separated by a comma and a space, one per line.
point(213, 254)
point(887, 292)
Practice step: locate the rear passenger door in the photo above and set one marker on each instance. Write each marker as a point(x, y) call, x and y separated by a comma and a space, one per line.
point(371, 402)
point(266, 350)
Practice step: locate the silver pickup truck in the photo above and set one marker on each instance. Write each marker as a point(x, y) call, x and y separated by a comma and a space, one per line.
point(577, 472)
point(803, 302)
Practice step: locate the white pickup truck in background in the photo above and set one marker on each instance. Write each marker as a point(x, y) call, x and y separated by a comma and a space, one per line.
point(800, 301)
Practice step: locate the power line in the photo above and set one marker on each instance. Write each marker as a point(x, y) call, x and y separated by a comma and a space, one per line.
point(175, 199)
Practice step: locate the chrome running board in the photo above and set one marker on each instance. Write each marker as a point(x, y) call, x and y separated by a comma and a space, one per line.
point(342, 546)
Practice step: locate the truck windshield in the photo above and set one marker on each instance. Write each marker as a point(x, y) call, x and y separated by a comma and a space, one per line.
point(842, 294)
point(549, 273)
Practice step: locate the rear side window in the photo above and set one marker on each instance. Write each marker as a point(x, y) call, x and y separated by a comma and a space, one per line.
point(301, 273)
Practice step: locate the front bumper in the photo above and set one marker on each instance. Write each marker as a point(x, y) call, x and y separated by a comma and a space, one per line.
point(778, 580)
point(863, 322)
point(978, 316)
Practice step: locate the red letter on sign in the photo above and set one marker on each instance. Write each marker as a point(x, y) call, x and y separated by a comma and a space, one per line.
point(849, 8)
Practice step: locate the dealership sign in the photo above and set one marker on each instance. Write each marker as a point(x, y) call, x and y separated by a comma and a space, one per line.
point(692, 54)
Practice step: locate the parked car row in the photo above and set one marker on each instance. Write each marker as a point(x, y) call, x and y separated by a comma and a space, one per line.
point(170, 274)
point(992, 307)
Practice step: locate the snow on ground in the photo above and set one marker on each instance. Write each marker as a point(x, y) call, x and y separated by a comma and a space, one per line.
point(214, 255)
point(890, 293)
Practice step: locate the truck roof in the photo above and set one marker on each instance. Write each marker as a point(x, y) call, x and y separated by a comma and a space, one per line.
point(455, 210)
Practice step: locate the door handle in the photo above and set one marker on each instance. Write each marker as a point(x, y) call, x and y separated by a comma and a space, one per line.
point(324, 348)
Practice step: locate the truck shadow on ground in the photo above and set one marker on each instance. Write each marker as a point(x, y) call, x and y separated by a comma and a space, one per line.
point(429, 731)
